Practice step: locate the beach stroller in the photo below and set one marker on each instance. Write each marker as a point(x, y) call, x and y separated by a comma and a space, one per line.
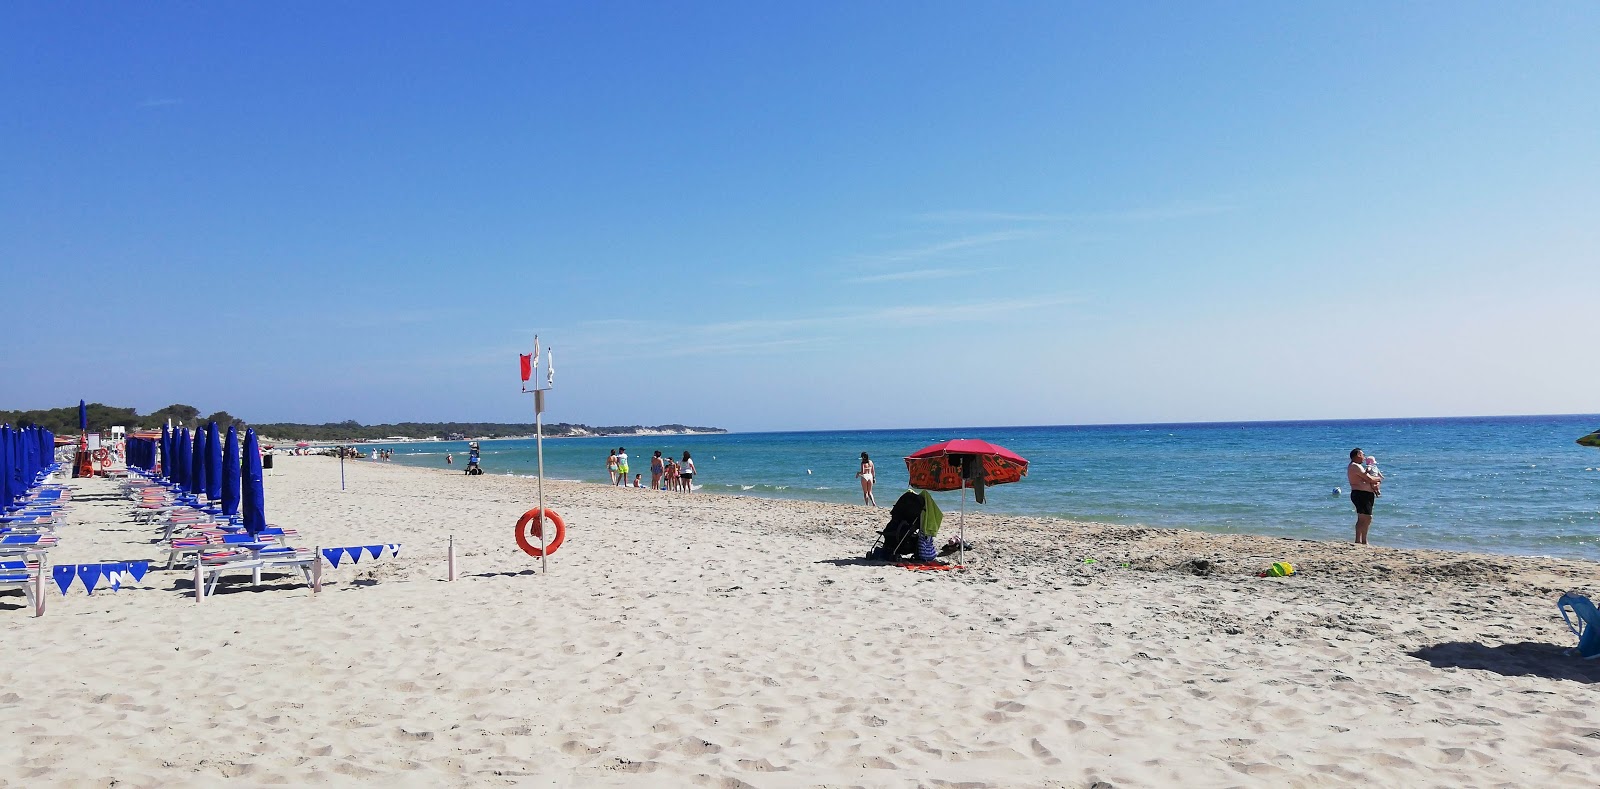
point(903, 536)
point(1587, 626)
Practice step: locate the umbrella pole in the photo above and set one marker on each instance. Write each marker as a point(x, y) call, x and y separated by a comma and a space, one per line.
point(538, 437)
point(961, 549)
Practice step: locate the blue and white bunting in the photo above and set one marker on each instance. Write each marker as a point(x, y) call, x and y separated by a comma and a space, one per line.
point(89, 574)
point(64, 575)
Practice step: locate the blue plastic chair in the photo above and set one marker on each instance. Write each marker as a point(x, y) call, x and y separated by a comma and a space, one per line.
point(1587, 628)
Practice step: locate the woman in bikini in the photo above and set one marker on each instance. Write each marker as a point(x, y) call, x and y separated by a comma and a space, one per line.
point(611, 466)
point(866, 475)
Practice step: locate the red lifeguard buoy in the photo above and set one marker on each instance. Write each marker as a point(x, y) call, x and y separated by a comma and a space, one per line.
point(104, 456)
point(538, 528)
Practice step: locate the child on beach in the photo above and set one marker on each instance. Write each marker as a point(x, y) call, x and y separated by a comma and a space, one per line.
point(1372, 470)
point(638, 480)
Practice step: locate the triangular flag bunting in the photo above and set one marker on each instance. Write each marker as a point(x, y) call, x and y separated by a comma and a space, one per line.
point(374, 550)
point(137, 570)
point(64, 573)
point(89, 574)
point(394, 550)
point(333, 555)
point(353, 554)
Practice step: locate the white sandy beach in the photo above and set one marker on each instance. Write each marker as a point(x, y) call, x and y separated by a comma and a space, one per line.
point(729, 641)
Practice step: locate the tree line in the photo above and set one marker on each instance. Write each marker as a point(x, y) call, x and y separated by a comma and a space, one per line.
point(101, 417)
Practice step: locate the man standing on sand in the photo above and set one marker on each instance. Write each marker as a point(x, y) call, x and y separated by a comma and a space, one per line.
point(1363, 492)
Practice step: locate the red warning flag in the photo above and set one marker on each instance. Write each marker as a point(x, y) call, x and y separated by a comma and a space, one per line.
point(527, 366)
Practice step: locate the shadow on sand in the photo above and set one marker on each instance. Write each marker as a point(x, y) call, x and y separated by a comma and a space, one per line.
point(1524, 659)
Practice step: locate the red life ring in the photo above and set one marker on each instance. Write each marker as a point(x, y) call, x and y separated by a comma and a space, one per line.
point(537, 530)
point(104, 456)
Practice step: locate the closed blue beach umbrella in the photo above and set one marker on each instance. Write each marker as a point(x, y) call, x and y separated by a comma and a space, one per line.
point(230, 474)
point(166, 453)
point(255, 509)
point(197, 463)
point(182, 454)
point(213, 463)
point(5, 468)
point(83, 417)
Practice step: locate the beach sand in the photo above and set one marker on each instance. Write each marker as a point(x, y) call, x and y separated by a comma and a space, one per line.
point(696, 640)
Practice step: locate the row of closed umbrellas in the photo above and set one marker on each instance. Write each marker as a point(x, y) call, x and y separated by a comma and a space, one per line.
point(203, 463)
point(25, 452)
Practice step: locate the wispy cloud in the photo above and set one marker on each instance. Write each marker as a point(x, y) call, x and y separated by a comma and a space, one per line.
point(902, 316)
point(922, 274)
point(1152, 214)
point(618, 341)
point(946, 247)
point(149, 103)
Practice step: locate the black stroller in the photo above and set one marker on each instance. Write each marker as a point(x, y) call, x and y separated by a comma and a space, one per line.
point(903, 536)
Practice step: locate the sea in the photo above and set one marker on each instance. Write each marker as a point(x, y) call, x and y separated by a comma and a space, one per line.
point(1513, 485)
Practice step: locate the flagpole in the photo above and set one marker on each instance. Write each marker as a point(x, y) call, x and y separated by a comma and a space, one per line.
point(538, 438)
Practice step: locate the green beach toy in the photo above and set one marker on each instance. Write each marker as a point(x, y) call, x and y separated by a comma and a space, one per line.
point(1281, 569)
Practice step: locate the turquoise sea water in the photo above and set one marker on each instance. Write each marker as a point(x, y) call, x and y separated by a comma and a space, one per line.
point(1502, 484)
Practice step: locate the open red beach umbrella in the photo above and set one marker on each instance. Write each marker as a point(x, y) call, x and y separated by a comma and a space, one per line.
point(940, 467)
point(932, 467)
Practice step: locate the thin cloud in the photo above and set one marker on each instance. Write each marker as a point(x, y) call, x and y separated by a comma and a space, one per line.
point(1155, 214)
point(945, 247)
point(922, 274)
point(618, 342)
point(904, 316)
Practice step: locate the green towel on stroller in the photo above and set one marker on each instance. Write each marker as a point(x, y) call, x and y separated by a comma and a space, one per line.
point(931, 516)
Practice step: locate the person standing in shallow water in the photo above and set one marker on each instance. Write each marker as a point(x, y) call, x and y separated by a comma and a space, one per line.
point(867, 475)
point(686, 474)
point(1363, 492)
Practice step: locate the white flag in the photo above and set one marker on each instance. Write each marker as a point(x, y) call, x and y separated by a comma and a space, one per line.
point(550, 367)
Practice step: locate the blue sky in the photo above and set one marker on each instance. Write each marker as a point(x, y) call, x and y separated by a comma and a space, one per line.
point(804, 216)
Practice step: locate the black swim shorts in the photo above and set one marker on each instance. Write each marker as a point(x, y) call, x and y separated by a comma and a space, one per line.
point(1363, 500)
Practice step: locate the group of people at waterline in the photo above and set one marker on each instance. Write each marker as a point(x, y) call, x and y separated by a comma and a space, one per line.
point(665, 473)
point(678, 475)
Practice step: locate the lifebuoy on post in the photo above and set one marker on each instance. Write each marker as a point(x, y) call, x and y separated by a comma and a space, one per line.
point(104, 456)
point(534, 515)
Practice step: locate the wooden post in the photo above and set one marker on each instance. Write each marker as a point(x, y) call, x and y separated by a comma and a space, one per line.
point(450, 560)
point(38, 588)
point(316, 571)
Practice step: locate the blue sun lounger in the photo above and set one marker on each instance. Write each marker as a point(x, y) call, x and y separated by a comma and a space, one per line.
point(1587, 628)
point(18, 575)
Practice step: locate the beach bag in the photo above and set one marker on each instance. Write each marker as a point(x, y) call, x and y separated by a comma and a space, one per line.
point(1587, 626)
point(925, 550)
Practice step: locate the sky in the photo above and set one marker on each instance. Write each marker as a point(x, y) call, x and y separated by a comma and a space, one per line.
point(803, 216)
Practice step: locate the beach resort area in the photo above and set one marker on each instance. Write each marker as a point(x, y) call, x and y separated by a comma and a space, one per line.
point(728, 641)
